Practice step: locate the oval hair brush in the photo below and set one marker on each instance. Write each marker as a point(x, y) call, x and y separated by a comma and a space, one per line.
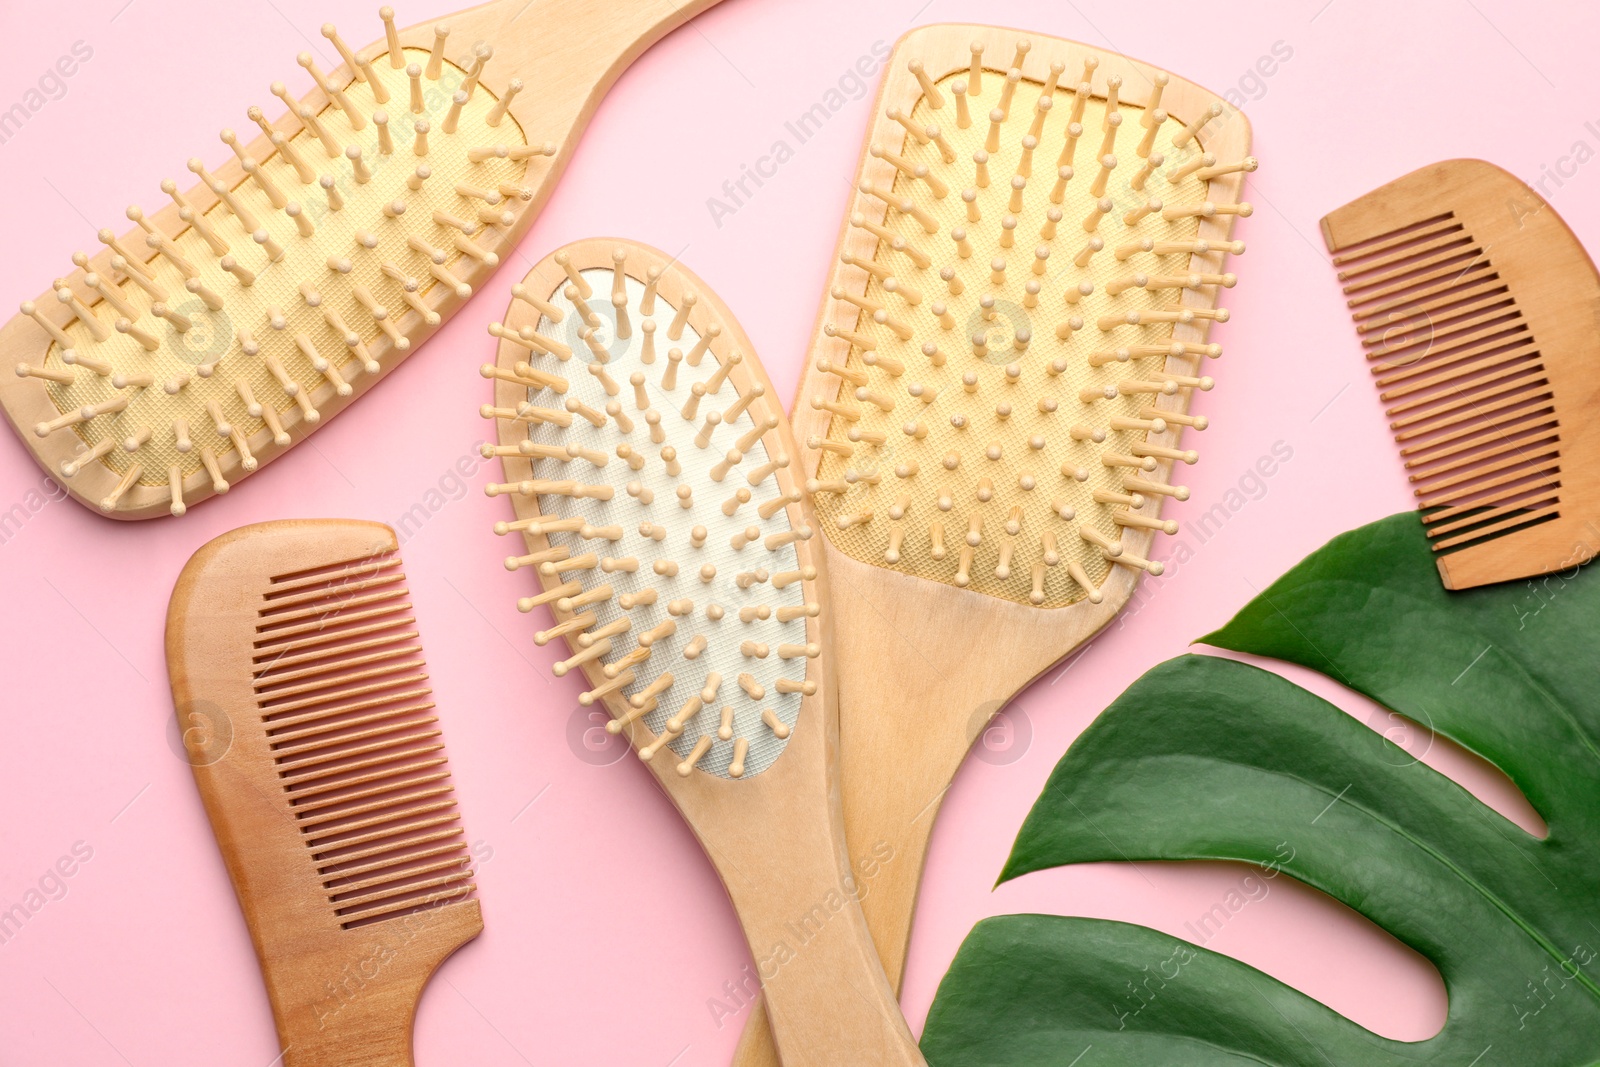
point(651, 473)
point(1016, 322)
point(224, 327)
point(304, 708)
point(1475, 304)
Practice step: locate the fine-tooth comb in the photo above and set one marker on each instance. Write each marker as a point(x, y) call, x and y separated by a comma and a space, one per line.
point(1017, 319)
point(223, 328)
point(649, 468)
point(1476, 306)
point(303, 702)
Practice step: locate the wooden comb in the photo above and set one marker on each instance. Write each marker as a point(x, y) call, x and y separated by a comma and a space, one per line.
point(998, 381)
point(1478, 311)
point(649, 468)
point(224, 328)
point(303, 701)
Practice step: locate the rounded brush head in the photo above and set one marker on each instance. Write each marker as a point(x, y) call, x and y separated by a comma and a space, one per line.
point(651, 471)
point(222, 329)
point(1018, 317)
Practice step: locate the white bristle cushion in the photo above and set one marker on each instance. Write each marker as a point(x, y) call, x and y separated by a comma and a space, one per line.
point(725, 636)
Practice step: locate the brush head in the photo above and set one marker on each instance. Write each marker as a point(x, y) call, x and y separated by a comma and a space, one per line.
point(1464, 284)
point(279, 286)
point(303, 702)
point(651, 472)
point(1019, 314)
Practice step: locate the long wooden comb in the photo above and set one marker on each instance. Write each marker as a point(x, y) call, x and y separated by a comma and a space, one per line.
point(304, 706)
point(1479, 312)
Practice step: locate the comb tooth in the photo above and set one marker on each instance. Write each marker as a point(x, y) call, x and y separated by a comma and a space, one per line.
point(299, 662)
point(1493, 363)
point(1471, 488)
point(1521, 515)
point(355, 862)
point(1385, 242)
point(1476, 406)
point(1514, 436)
point(1396, 328)
point(403, 896)
point(1502, 336)
point(358, 761)
point(1426, 265)
point(421, 823)
point(1422, 302)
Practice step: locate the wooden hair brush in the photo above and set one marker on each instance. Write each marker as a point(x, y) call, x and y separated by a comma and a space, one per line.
point(651, 474)
point(223, 328)
point(303, 703)
point(1475, 305)
point(1017, 320)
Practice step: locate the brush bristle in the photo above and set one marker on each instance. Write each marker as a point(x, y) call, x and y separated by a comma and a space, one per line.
point(320, 263)
point(1021, 311)
point(343, 694)
point(665, 539)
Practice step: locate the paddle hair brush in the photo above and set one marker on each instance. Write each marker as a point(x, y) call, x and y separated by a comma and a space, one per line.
point(652, 478)
point(999, 378)
point(225, 327)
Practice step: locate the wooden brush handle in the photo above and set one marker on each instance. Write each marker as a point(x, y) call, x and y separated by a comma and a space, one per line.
point(826, 996)
point(888, 832)
point(914, 693)
point(567, 52)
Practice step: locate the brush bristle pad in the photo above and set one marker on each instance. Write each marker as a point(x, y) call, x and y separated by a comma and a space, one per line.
point(723, 578)
point(227, 386)
point(971, 443)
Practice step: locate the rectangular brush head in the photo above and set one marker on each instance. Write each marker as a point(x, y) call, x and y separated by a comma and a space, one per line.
point(1478, 310)
point(1019, 315)
point(303, 701)
point(219, 331)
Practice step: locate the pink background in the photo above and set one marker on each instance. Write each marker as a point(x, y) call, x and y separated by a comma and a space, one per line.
point(606, 931)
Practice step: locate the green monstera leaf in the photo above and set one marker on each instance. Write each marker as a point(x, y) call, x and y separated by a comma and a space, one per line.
point(1211, 759)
